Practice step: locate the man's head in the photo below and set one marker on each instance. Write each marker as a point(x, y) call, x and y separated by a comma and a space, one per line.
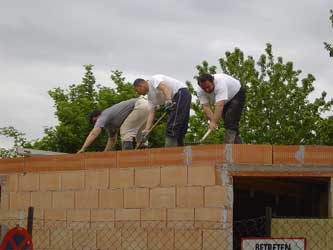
point(93, 116)
point(206, 82)
point(141, 86)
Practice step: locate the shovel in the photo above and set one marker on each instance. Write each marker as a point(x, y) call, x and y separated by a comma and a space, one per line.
point(205, 136)
point(151, 129)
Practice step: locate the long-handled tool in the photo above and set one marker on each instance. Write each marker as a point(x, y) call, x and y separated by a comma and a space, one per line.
point(202, 138)
point(205, 136)
point(151, 129)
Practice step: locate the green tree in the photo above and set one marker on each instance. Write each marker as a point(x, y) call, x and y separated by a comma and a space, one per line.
point(18, 140)
point(72, 108)
point(277, 109)
point(329, 47)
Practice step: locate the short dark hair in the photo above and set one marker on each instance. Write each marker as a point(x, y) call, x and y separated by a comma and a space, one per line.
point(138, 81)
point(92, 115)
point(205, 77)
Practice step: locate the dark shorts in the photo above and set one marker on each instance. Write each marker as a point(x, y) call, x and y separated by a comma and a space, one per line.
point(232, 111)
point(178, 118)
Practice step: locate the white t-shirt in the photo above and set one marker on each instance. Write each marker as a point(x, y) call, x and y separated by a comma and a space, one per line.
point(155, 96)
point(226, 87)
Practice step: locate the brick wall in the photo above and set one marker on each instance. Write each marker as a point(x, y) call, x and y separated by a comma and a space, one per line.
point(166, 196)
point(94, 198)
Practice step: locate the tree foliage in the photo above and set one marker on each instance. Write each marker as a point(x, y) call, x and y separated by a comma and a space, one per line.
point(277, 109)
point(328, 46)
point(18, 139)
point(73, 106)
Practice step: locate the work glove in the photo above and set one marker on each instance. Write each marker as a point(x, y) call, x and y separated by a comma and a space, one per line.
point(144, 136)
point(168, 105)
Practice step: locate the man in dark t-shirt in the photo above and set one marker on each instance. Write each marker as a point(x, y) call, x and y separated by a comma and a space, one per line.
point(129, 116)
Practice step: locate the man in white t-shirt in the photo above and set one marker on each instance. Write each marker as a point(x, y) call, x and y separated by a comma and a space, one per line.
point(228, 96)
point(176, 98)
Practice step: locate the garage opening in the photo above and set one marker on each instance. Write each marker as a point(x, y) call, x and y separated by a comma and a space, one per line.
point(288, 197)
point(292, 197)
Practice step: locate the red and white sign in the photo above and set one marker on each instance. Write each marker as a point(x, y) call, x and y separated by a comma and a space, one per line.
point(273, 244)
point(17, 239)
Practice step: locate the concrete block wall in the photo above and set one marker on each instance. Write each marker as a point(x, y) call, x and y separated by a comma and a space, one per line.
point(94, 198)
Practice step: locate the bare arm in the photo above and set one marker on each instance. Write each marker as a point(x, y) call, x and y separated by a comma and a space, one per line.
point(111, 141)
point(94, 133)
point(150, 119)
point(208, 112)
point(217, 114)
point(165, 90)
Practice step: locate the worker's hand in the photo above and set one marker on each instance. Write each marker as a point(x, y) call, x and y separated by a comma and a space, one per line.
point(82, 150)
point(212, 125)
point(144, 136)
point(168, 105)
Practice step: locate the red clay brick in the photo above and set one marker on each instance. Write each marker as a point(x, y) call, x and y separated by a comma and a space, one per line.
point(63, 199)
point(121, 178)
point(188, 240)
point(78, 218)
point(202, 176)
point(286, 154)
point(167, 156)
point(20, 200)
point(134, 239)
point(11, 165)
point(174, 176)
point(207, 154)
point(161, 240)
point(86, 199)
point(97, 179)
point(54, 162)
point(181, 214)
point(111, 198)
point(12, 182)
point(132, 158)
point(50, 181)
point(208, 214)
point(162, 197)
point(4, 201)
point(102, 215)
point(251, 154)
point(152, 214)
point(190, 197)
point(108, 237)
point(41, 199)
point(215, 196)
point(318, 155)
point(147, 177)
point(69, 162)
point(100, 160)
point(29, 182)
point(72, 180)
point(127, 214)
point(215, 239)
point(136, 198)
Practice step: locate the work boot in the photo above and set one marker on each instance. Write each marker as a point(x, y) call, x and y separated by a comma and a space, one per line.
point(171, 142)
point(238, 139)
point(127, 145)
point(229, 136)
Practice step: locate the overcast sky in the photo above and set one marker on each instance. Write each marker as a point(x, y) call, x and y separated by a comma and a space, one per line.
point(43, 44)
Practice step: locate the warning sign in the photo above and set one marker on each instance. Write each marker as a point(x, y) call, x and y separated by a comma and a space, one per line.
point(273, 244)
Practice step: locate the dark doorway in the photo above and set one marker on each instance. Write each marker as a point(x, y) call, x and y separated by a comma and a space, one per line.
point(287, 197)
